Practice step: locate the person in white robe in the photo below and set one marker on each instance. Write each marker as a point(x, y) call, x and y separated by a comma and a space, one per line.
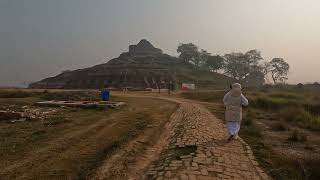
point(233, 101)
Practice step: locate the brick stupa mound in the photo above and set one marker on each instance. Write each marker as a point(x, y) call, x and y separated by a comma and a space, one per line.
point(143, 66)
point(142, 48)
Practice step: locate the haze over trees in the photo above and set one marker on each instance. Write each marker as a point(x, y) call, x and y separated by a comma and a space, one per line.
point(249, 67)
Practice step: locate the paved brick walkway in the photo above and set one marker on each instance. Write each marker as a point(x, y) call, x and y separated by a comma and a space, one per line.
point(198, 150)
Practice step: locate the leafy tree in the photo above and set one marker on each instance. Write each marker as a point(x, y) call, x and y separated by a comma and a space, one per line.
point(232, 63)
point(278, 69)
point(253, 57)
point(266, 68)
point(214, 63)
point(189, 53)
point(256, 77)
point(244, 66)
point(204, 56)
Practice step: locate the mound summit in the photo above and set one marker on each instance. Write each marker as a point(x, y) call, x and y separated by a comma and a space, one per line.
point(143, 66)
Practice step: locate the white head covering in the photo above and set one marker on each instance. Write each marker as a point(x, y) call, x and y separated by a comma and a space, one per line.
point(236, 85)
point(236, 90)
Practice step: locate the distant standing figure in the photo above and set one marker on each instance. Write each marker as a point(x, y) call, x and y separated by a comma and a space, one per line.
point(233, 101)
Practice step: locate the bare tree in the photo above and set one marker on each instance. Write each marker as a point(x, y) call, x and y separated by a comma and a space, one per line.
point(278, 69)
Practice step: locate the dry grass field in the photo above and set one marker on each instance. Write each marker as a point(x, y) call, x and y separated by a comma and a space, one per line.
point(72, 143)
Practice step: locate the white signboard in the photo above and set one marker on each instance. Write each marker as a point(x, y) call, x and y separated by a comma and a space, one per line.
point(188, 86)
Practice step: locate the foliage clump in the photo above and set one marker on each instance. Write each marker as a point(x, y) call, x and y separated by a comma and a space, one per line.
point(297, 136)
point(249, 68)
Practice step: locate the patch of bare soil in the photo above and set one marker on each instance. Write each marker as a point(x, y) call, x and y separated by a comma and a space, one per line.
point(294, 152)
point(82, 143)
point(131, 162)
point(279, 140)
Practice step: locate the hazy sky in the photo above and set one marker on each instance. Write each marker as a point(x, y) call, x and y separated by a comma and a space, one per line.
point(41, 38)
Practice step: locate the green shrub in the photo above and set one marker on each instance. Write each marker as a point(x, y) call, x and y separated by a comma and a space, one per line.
point(309, 146)
point(247, 121)
point(300, 117)
point(296, 115)
point(215, 96)
point(248, 117)
point(15, 94)
point(70, 96)
point(251, 129)
point(312, 168)
point(289, 167)
point(285, 95)
point(264, 102)
point(314, 108)
point(316, 98)
point(254, 131)
point(55, 120)
point(297, 136)
point(280, 126)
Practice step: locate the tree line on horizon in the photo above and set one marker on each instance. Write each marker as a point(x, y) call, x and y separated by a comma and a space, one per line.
point(249, 67)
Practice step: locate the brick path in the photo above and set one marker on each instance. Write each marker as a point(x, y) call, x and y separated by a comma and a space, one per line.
point(198, 149)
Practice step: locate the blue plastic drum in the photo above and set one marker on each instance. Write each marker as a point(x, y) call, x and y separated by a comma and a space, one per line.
point(105, 95)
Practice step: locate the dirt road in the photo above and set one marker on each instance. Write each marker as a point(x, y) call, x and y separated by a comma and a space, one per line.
point(193, 146)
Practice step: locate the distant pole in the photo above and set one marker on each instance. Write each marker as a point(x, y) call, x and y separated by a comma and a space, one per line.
point(125, 80)
point(197, 86)
point(170, 87)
